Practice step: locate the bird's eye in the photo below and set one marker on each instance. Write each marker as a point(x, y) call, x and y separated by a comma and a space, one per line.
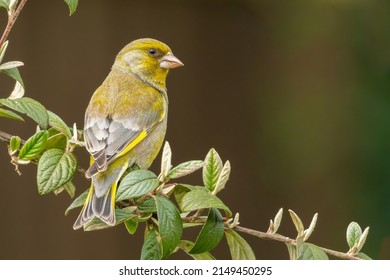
point(152, 51)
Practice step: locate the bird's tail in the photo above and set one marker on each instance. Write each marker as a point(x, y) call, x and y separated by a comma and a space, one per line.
point(101, 207)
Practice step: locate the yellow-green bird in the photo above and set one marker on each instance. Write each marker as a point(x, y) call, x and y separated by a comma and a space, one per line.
point(125, 122)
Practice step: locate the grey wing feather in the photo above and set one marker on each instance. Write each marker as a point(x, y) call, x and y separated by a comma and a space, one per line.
point(106, 137)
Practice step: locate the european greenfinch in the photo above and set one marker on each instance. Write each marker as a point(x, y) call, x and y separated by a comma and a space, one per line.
point(125, 122)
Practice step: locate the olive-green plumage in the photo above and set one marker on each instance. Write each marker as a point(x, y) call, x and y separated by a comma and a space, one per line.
point(125, 122)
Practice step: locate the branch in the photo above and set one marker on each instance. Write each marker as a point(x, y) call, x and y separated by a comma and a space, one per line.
point(281, 238)
point(11, 21)
point(275, 237)
point(6, 138)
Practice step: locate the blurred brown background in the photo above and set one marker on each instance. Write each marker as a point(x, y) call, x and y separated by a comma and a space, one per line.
point(296, 94)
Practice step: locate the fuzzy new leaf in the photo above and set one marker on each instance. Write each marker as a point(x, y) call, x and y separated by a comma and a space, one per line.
point(17, 92)
point(166, 161)
point(298, 223)
point(10, 64)
point(362, 239)
point(354, 232)
point(212, 169)
point(223, 177)
point(277, 220)
point(185, 168)
point(3, 48)
point(310, 229)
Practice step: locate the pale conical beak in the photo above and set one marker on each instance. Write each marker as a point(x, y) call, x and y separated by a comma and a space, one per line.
point(169, 61)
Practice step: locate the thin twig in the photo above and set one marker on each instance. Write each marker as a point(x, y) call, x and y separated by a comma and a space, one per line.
point(281, 238)
point(275, 237)
point(11, 21)
point(5, 137)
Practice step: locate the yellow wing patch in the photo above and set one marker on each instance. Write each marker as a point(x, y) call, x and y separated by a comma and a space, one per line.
point(133, 143)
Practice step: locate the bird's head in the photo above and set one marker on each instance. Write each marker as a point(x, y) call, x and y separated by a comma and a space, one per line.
point(148, 59)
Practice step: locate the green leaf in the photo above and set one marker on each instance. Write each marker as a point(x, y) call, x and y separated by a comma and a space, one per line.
point(140, 218)
point(30, 107)
point(78, 202)
point(212, 169)
point(292, 251)
point(148, 205)
point(55, 169)
point(189, 225)
point(308, 251)
point(121, 215)
point(170, 224)
point(137, 183)
point(56, 122)
point(223, 177)
point(354, 231)
point(211, 233)
point(14, 74)
point(70, 189)
point(14, 143)
point(56, 141)
point(72, 4)
point(152, 249)
point(363, 256)
point(200, 198)
point(186, 246)
point(185, 168)
point(180, 190)
point(10, 115)
point(34, 146)
point(131, 226)
point(5, 4)
point(239, 248)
